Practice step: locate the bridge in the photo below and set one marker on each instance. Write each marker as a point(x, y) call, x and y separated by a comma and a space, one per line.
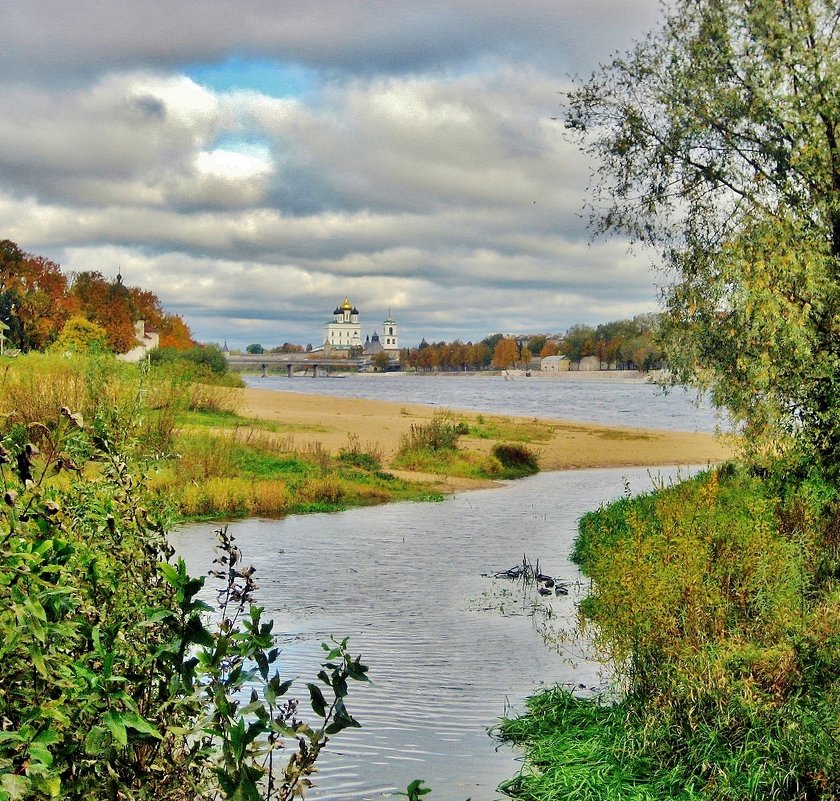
point(292, 362)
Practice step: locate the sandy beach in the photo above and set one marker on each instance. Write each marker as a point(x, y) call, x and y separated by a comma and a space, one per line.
point(561, 444)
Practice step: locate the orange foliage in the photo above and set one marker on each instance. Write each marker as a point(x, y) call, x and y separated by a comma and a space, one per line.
point(33, 291)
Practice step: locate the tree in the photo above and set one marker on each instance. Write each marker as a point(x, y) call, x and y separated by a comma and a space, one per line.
point(381, 361)
point(80, 335)
point(175, 333)
point(107, 303)
point(578, 342)
point(718, 140)
point(505, 353)
point(33, 297)
point(255, 349)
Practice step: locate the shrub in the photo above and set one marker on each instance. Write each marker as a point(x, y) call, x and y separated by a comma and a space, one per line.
point(112, 684)
point(711, 604)
point(516, 460)
point(203, 359)
point(352, 454)
point(441, 433)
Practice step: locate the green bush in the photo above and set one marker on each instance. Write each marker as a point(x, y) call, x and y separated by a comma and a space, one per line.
point(516, 460)
point(716, 605)
point(201, 360)
point(113, 685)
point(441, 433)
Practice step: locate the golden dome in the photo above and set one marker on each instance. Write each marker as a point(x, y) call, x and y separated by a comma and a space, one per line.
point(347, 305)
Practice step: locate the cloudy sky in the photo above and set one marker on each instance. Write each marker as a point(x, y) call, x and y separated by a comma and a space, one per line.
point(254, 162)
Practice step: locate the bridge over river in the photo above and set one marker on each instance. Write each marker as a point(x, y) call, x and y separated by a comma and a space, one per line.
point(292, 363)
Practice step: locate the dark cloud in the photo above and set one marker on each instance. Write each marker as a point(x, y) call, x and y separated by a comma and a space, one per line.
point(54, 38)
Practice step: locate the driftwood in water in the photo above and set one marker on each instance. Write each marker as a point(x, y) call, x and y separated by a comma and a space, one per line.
point(528, 574)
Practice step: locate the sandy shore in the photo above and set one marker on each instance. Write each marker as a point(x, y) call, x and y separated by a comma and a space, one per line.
point(563, 445)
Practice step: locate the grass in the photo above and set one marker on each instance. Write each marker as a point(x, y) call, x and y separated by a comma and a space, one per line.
point(240, 473)
point(508, 430)
point(207, 460)
point(716, 605)
point(224, 419)
point(433, 447)
point(579, 750)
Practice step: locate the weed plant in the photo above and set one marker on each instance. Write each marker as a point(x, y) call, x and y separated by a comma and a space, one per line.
point(516, 460)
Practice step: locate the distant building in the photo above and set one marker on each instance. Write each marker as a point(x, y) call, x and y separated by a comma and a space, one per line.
point(373, 345)
point(555, 364)
point(145, 338)
point(344, 330)
point(390, 338)
point(389, 341)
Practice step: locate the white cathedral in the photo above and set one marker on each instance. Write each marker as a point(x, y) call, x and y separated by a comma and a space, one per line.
point(344, 332)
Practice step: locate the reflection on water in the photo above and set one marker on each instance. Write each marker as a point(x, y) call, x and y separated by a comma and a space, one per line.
point(405, 583)
point(609, 401)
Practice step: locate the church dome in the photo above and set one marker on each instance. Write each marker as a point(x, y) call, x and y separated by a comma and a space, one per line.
point(347, 305)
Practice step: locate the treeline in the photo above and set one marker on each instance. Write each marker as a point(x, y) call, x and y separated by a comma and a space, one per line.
point(622, 345)
point(37, 300)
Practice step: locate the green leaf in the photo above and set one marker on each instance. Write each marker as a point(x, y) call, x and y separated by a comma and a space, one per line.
point(169, 573)
point(96, 741)
point(316, 698)
point(16, 786)
point(132, 720)
point(115, 724)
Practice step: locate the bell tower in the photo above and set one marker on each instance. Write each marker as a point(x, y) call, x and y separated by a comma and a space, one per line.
point(390, 337)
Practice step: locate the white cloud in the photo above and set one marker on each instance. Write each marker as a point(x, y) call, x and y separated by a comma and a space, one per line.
point(433, 182)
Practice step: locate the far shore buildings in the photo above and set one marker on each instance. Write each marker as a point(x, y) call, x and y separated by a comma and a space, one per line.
point(344, 332)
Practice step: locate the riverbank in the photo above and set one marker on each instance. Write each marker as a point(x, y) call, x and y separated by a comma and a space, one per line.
point(562, 445)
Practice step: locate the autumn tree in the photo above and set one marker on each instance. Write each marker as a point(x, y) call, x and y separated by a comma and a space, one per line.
point(718, 140)
point(381, 361)
point(33, 297)
point(505, 353)
point(108, 304)
point(175, 333)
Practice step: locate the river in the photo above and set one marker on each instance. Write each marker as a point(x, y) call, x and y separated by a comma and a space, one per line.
point(450, 649)
point(602, 398)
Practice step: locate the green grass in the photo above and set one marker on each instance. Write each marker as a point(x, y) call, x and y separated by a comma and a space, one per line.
point(230, 420)
point(716, 606)
point(433, 448)
point(579, 750)
point(508, 430)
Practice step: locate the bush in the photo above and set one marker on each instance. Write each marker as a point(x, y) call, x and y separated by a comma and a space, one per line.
point(112, 684)
point(201, 360)
point(516, 460)
point(713, 606)
point(441, 433)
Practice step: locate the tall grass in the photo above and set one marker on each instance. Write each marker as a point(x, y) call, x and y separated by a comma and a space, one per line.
point(716, 603)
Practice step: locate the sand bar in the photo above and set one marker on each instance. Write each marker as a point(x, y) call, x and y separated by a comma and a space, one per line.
point(563, 445)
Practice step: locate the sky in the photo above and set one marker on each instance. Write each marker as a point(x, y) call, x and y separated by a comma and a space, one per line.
point(254, 163)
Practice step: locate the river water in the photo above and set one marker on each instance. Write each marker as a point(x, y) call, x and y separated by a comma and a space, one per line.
point(600, 398)
point(450, 648)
